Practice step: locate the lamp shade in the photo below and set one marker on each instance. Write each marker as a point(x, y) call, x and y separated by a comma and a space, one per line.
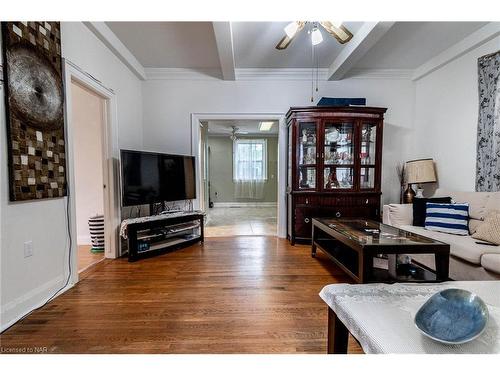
point(420, 171)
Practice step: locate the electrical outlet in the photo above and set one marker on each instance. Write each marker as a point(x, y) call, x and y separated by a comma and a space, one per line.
point(28, 249)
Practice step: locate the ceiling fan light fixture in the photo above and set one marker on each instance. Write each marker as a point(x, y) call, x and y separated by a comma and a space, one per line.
point(291, 29)
point(316, 37)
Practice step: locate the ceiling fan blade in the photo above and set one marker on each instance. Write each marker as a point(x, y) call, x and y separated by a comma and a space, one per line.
point(340, 32)
point(286, 40)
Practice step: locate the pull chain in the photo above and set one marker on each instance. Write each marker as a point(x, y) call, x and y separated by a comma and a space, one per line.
point(317, 70)
point(312, 72)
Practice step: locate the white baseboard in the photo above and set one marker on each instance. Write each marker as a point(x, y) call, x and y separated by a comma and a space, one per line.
point(30, 301)
point(244, 204)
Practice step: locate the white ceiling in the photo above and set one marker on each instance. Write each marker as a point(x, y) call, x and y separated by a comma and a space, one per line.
point(193, 45)
point(169, 44)
point(408, 45)
point(254, 46)
point(251, 127)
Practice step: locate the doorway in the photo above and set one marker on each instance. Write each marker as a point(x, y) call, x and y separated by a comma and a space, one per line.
point(241, 182)
point(88, 119)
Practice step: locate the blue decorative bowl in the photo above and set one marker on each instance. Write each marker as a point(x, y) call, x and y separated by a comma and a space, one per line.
point(452, 316)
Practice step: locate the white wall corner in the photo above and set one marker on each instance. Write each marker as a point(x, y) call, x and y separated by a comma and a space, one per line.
point(474, 40)
point(110, 40)
point(224, 40)
point(366, 37)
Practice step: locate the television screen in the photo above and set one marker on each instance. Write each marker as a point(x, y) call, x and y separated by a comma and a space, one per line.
point(149, 177)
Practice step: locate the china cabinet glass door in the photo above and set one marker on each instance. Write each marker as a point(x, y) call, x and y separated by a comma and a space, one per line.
point(338, 156)
point(307, 155)
point(368, 155)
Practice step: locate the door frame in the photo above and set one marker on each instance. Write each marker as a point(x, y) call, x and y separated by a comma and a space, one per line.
point(197, 118)
point(72, 73)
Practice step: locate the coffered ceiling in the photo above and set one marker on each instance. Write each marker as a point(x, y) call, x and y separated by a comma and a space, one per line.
point(230, 49)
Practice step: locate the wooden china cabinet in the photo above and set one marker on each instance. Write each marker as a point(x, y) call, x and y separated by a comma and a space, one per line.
point(334, 165)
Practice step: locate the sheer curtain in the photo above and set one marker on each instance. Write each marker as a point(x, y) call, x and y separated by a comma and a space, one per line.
point(249, 168)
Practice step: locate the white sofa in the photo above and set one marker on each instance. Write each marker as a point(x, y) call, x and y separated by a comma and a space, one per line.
point(468, 260)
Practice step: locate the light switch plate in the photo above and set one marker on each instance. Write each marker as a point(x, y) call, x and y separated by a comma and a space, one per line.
point(28, 249)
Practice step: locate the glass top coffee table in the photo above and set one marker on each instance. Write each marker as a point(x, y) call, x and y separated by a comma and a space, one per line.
point(354, 243)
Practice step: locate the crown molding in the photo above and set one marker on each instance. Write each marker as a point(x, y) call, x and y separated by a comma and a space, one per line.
point(362, 73)
point(271, 74)
point(279, 74)
point(183, 74)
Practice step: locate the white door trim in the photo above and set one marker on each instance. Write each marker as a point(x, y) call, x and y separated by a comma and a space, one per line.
point(196, 118)
point(111, 161)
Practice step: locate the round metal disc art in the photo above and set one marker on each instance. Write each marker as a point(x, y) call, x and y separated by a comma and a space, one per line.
point(36, 93)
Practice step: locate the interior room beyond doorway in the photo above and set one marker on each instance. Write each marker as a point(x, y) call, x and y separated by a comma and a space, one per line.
point(241, 166)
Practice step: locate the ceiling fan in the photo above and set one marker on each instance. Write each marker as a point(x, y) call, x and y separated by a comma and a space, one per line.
point(336, 29)
point(234, 133)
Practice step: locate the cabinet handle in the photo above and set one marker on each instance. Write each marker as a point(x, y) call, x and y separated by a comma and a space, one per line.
point(338, 214)
point(306, 220)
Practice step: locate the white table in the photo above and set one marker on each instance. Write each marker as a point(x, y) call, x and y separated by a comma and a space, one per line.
point(380, 317)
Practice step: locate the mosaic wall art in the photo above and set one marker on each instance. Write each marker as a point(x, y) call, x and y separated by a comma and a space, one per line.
point(35, 109)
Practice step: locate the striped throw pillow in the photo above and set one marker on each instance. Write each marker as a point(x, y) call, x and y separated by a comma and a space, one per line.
point(450, 218)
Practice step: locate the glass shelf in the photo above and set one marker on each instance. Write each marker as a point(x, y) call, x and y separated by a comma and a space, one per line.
point(338, 146)
point(368, 144)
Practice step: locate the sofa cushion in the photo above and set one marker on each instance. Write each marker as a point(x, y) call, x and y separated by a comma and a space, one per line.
point(489, 230)
point(464, 247)
point(419, 208)
point(491, 262)
point(452, 218)
point(478, 201)
point(493, 202)
point(474, 224)
point(398, 214)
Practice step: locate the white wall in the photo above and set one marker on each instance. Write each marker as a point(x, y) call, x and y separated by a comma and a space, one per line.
point(26, 282)
point(168, 105)
point(88, 114)
point(446, 114)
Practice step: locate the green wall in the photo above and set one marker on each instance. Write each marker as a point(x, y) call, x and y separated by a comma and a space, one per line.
point(221, 170)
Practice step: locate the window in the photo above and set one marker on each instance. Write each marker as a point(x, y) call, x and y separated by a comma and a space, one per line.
point(250, 160)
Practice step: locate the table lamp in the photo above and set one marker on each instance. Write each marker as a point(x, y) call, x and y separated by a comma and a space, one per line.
point(419, 172)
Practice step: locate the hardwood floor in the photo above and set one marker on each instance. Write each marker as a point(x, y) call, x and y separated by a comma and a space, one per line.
point(87, 258)
point(231, 295)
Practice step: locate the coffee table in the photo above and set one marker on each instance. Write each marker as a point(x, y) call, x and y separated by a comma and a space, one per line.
point(380, 317)
point(353, 243)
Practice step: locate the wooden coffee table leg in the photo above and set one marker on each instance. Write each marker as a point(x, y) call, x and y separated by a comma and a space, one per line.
point(313, 243)
point(442, 261)
point(338, 335)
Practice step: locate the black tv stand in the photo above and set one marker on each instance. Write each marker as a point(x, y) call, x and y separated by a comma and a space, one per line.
point(154, 235)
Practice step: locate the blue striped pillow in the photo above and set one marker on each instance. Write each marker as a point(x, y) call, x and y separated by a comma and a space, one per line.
point(450, 218)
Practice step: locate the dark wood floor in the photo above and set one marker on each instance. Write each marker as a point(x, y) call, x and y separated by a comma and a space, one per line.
point(230, 295)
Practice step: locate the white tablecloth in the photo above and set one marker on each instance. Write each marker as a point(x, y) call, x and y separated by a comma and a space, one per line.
point(380, 316)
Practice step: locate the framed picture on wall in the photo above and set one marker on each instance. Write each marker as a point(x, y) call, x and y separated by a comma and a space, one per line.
point(34, 102)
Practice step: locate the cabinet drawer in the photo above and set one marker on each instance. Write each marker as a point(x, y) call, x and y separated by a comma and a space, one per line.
point(305, 214)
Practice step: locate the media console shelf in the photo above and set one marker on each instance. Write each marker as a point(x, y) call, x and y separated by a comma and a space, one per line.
point(155, 235)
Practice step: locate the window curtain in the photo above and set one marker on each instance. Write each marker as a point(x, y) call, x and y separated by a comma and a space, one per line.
point(249, 172)
point(488, 129)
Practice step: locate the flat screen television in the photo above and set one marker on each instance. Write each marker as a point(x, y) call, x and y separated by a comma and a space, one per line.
point(149, 177)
